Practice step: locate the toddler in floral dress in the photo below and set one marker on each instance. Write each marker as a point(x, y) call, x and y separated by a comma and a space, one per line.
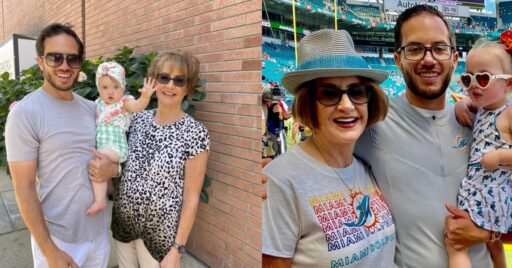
point(113, 110)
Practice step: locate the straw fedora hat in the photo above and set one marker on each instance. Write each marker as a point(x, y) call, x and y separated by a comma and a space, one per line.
point(328, 53)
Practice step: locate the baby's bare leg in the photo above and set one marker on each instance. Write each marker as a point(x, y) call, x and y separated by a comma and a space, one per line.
point(100, 188)
point(497, 254)
point(457, 258)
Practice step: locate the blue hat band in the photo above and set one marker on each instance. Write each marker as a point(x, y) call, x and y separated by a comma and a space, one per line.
point(334, 62)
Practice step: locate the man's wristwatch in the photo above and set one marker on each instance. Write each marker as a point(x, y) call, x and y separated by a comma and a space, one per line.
point(179, 247)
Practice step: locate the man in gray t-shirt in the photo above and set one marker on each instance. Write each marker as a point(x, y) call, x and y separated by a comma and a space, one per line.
point(50, 137)
point(419, 153)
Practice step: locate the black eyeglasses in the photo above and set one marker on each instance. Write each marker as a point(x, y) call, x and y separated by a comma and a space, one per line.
point(328, 95)
point(164, 78)
point(54, 60)
point(418, 52)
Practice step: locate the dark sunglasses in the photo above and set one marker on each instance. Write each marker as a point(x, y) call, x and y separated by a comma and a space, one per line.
point(54, 60)
point(179, 81)
point(330, 95)
point(482, 79)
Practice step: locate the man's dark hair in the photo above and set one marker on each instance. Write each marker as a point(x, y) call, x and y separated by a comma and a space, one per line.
point(56, 29)
point(416, 11)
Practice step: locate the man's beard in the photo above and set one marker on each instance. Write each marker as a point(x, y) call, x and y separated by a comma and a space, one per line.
point(429, 95)
point(49, 78)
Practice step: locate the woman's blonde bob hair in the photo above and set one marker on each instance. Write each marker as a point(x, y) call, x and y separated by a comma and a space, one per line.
point(304, 105)
point(187, 63)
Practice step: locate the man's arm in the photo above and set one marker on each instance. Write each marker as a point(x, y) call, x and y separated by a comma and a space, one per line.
point(23, 175)
point(275, 262)
point(461, 231)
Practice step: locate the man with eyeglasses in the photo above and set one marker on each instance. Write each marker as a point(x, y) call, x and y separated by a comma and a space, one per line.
point(50, 137)
point(419, 153)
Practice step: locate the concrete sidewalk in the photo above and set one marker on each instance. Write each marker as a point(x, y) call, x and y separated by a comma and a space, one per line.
point(15, 251)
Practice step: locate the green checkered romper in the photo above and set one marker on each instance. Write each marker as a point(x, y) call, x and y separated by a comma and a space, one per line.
point(111, 127)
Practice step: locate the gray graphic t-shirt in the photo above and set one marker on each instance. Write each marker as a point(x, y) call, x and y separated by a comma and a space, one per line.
point(311, 216)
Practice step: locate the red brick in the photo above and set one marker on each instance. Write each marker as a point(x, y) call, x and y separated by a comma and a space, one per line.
point(254, 233)
point(254, 253)
point(232, 140)
point(228, 23)
point(241, 98)
point(245, 175)
point(220, 148)
point(210, 37)
point(233, 223)
point(254, 17)
point(231, 201)
point(246, 218)
point(211, 77)
point(227, 45)
point(250, 198)
point(211, 57)
point(219, 4)
point(236, 131)
point(246, 53)
point(176, 16)
point(235, 262)
point(241, 8)
point(237, 182)
point(224, 66)
point(236, 120)
point(218, 166)
point(241, 163)
point(251, 65)
point(195, 11)
point(246, 153)
point(199, 29)
point(246, 30)
point(207, 17)
point(250, 110)
point(247, 260)
point(216, 107)
point(231, 87)
point(255, 210)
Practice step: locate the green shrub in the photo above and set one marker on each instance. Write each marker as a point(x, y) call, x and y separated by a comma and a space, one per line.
point(12, 90)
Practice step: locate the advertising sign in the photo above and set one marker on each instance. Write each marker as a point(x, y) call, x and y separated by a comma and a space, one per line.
point(449, 8)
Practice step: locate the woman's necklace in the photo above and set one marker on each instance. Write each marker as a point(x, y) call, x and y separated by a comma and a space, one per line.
point(350, 189)
point(362, 207)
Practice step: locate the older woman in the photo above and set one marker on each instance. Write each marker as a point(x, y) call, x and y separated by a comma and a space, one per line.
point(158, 195)
point(323, 207)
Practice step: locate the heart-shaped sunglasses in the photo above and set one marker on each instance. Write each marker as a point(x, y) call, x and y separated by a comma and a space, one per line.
point(482, 80)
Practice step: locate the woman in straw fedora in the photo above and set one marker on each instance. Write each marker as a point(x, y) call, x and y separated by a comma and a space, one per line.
point(323, 207)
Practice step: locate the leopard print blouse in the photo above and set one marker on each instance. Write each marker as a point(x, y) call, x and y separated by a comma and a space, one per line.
point(149, 198)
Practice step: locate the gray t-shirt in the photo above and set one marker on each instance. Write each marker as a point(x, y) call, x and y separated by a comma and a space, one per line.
point(419, 162)
point(310, 215)
point(61, 136)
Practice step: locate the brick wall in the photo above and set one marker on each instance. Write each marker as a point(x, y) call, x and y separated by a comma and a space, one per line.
point(226, 37)
point(28, 17)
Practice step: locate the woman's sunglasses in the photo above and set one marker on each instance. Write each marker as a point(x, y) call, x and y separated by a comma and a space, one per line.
point(330, 95)
point(54, 60)
point(482, 80)
point(179, 81)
